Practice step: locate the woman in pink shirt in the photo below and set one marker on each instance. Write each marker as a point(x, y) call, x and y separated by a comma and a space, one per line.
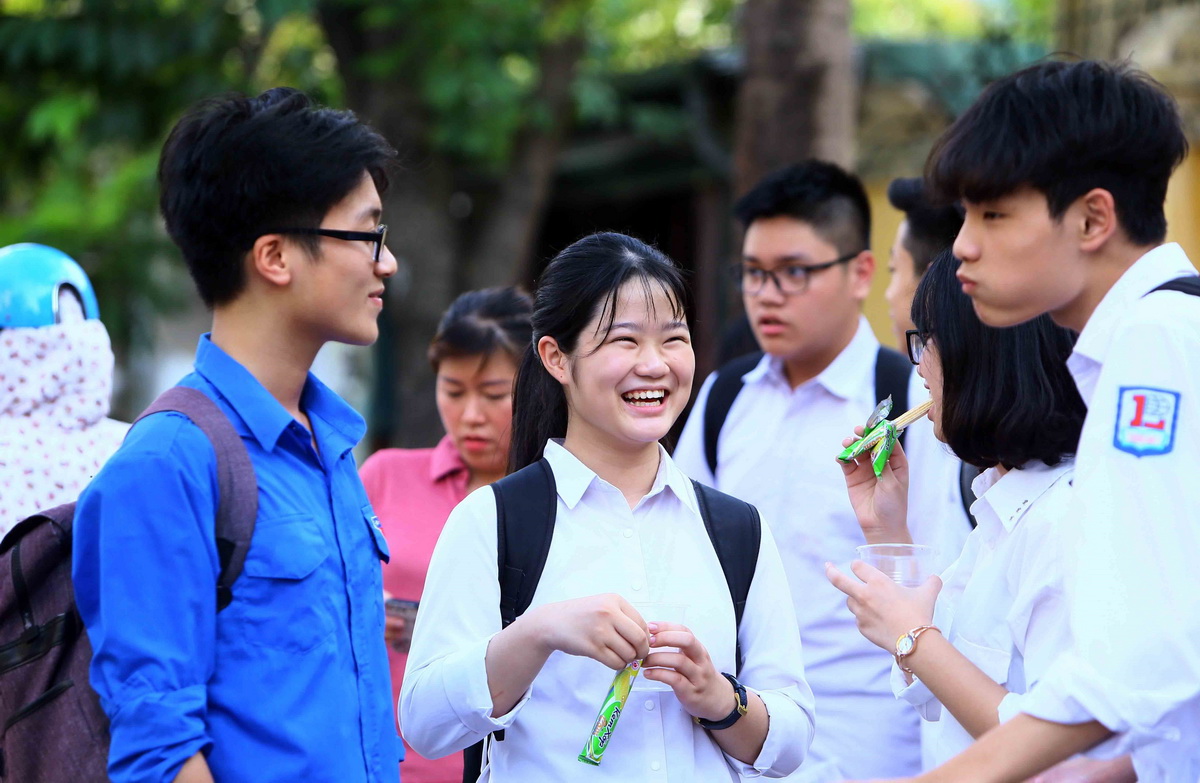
point(475, 354)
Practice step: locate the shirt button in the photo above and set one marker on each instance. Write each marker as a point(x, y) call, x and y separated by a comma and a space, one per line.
point(654, 765)
point(636, 585)
point(650, 704)
point(628, 533)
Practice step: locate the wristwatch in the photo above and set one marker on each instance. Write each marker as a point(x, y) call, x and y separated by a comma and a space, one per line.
point(907, 644)
point(739, 693)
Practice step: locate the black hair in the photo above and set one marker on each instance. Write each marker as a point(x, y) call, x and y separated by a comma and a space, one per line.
point(828, 198)
point(1007, 397)
point(1064, 128)
point(235, 167)
point(478, 323)
point(932, 227)
point(581, 283)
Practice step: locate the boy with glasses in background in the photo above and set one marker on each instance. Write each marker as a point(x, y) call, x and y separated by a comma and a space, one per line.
point(765, 428)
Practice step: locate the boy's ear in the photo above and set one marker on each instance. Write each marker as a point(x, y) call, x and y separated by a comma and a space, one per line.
point(862, 272)
point(1098, 219)
point(270, 259)
point(553, 359)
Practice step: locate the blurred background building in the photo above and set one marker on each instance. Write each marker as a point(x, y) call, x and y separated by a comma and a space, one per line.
point(522, 124)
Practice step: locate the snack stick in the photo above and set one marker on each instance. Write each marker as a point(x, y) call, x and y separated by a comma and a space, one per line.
point(610, 713)
point(908, 417)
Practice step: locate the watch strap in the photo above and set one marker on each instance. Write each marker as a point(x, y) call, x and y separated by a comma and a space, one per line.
point(740, 708)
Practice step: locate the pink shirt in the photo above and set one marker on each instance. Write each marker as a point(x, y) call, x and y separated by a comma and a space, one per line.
point(413, 491)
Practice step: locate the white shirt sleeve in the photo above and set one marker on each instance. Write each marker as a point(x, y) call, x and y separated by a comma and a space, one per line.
point(1134, 606)
point(917, 694)
point(774, 667)
point(689, 452)
point(445, 702)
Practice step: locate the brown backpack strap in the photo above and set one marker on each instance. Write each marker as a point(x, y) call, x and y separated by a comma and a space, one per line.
point(237, 505)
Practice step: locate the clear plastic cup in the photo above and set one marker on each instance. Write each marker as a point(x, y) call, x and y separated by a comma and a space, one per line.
point(660, 612)
point(905, 564)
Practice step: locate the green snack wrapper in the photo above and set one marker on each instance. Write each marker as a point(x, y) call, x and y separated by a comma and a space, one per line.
point(610, 713)
point(883, 447)
point(862, 444)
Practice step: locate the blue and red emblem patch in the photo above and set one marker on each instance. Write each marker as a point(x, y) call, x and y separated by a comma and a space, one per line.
point(1146, 420)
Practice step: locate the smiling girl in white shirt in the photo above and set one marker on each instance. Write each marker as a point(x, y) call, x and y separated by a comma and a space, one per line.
point(609, 371)
point(1004, 400)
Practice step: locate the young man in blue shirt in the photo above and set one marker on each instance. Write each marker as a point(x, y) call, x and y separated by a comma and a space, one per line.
point(289, 681)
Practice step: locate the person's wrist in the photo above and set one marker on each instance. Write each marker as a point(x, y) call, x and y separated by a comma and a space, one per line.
point(725, 703)
point(534, 631)
point(887, 534)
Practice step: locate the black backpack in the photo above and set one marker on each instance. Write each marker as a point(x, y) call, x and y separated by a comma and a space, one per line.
point(526, 505)
point(54, 730)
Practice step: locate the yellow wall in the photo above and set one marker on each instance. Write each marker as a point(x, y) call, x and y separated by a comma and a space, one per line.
point(1183, 226)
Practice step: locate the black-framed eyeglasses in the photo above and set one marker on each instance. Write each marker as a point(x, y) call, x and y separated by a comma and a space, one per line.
point(789, 278)
point(917, 341)
point(378, 236)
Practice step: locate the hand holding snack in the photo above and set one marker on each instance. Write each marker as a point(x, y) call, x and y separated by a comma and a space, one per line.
point(605, 628)
point(880, 502)
point(880, 435)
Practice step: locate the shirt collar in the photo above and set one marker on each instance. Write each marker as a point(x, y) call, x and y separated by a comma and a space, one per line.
point(261, 413)
point(844, 377)
point(572, 478)
point(1010, 496)
point(1163, 263)
point(445, 460)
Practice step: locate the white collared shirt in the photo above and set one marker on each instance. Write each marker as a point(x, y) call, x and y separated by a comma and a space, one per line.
point(1002, 604)
point(776, 450)
point(1134, 594)
point(659, 552)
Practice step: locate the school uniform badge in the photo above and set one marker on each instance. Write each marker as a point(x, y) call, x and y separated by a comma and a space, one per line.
point(1146, 420)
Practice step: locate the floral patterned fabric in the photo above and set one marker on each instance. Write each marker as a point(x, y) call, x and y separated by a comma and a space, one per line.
point(55, 384)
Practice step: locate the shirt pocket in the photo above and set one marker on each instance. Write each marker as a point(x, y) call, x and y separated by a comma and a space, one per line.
point(992, 661)
point(285, 600)
point(381, 545)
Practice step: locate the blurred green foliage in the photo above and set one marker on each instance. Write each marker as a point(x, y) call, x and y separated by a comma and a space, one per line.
point(1027, 21)
point(89, 88)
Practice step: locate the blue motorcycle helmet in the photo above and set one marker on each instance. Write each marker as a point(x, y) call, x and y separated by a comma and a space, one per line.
point(32, 277)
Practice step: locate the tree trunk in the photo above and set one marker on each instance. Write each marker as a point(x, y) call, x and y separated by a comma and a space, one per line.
point(505, 248)
point(437, 261)
point(423, 235)
point(798, 96)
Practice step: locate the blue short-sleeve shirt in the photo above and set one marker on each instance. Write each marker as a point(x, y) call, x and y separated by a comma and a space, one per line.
point(290, 681)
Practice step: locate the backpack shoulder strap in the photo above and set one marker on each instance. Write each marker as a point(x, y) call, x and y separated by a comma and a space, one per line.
point(736, 532)
point(1188, 284)
point(892, 373)
point(237, 506)
point(526, 505)
point(725, 389)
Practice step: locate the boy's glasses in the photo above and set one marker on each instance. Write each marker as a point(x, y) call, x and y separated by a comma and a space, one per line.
point(378, 236)
point(917, 341)
point(789, 278)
